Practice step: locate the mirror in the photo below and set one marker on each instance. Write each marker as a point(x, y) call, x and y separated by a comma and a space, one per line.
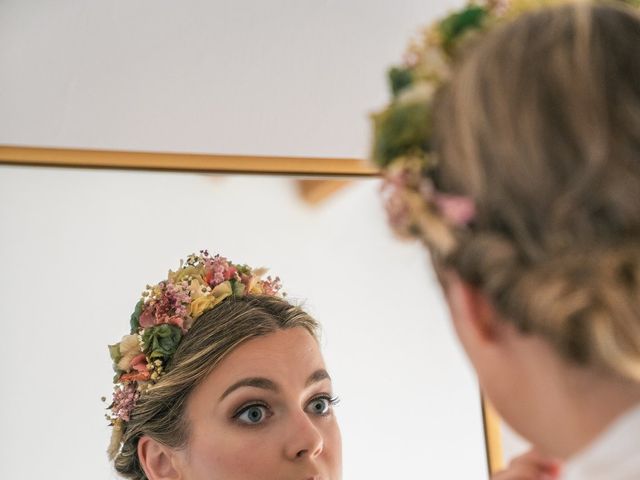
point(78, 247)
point(281, 87)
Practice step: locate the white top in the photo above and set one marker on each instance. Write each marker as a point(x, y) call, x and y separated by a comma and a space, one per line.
point(614, 455)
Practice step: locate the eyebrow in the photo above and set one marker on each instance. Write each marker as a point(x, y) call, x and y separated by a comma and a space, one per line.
point(317, 376)
point(266, 384)
point(255, 382)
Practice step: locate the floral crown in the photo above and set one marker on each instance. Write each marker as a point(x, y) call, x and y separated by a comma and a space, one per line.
point(162, 317)
point(403, 130)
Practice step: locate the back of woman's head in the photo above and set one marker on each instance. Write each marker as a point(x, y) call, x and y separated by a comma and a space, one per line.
point(540, 126)
point(160, 412)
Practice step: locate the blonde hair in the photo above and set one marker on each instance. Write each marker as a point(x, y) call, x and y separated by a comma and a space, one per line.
point(160, 413)
point(540, 125)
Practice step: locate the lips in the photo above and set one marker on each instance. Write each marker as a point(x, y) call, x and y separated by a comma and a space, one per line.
point(315, 476)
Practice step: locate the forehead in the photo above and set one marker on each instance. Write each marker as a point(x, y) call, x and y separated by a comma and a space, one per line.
point(287, 357)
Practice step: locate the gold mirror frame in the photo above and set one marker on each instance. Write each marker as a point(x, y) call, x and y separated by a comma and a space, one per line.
point(314, 168)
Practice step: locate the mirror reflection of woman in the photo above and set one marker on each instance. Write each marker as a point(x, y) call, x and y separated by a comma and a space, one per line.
point(522, 177)
point(221, 378)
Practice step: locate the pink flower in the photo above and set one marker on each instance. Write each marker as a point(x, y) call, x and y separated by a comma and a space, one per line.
point(458, 210)
point(230, 273)
point(177, 321)
point(139, 372)
point(135, 377)
point(139, 363)
point(170, 305)
point(147, 318)
point(124, 400)
point(218, 270)
point(271, 286)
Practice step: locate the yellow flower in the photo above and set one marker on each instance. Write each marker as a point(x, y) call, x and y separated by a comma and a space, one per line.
point(207, 302)
point(518, 7)
point(201, 304)
point(180, 275)
point(129, 348)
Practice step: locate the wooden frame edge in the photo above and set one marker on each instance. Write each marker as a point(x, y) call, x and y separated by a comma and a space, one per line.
point(492, 437)
point(185, 162)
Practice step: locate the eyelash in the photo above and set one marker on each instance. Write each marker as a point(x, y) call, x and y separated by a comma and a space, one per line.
point(333, 401)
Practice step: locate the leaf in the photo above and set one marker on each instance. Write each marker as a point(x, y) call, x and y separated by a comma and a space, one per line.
point(135, 316)
point(114, 352)
point(399, 79)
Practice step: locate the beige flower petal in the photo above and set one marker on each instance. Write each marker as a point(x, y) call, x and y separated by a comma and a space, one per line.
point(195, 288)
point(129, 348)
point(222, 290)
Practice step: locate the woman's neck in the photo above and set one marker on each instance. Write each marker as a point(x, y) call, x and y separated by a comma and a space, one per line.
point(570, 406)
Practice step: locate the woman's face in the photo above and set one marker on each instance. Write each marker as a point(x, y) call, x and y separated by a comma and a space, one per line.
point(265, 413)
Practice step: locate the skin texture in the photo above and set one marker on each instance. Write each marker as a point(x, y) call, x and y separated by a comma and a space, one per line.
point(281, 426)
point(530, 466)
point(557, 406)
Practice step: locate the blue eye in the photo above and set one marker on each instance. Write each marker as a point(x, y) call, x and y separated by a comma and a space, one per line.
point(321, 406)
point(253, 415)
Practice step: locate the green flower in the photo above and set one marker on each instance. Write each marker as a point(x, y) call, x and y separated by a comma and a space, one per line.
point(237, 288)
point(161, 341)
point(404, 128)
point(243, 269)
point(456, 24)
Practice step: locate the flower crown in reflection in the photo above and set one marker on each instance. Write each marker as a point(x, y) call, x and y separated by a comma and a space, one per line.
point(403, 130)
point(161, 318)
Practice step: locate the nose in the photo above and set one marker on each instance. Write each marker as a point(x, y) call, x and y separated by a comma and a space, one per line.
point(305, 439)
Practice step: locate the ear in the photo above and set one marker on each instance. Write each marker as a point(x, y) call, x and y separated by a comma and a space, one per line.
point(158, 461)
point(471, 310)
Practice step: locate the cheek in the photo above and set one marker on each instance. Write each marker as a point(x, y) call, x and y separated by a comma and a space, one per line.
point(229, 454)
point(333, 450)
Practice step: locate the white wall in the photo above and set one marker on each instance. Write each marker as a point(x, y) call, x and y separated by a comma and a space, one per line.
point(269, 77)
point(78, 247)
